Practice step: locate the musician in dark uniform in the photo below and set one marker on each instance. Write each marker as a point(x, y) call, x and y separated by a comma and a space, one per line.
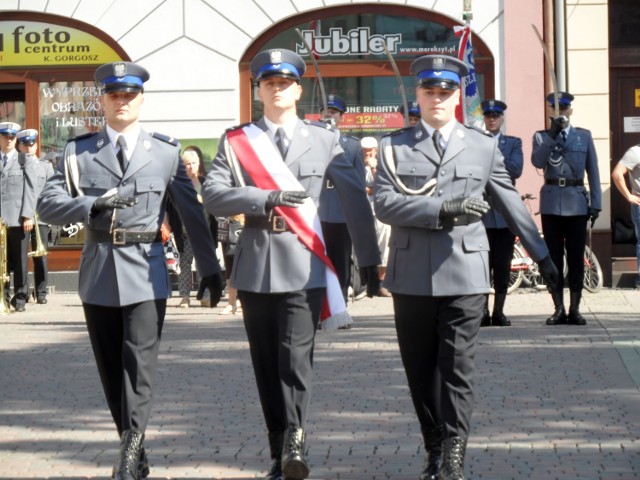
point(273, 171)
point(429, 188)
point(567, 154)
point(501, 239)
point(116, 183)
point(334, 227)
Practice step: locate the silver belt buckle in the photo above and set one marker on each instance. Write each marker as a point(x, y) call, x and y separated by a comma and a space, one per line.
point(119, 236)
point(562, 182)
point(278, 224)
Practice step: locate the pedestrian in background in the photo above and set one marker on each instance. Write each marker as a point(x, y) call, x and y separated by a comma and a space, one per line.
point(116, 182)
point(629, 165)
point(501, 238)
point(429, 188)
point(273, 171)
point(414, 112)
point(28, 144)
point(566, 154)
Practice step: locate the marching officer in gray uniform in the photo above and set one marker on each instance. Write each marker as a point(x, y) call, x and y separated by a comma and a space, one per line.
point(115, 182)
point(17, 204)
point(567, 154)
point(334, 227)
point(281, 281)
point(501, 239)
point(429, 188)
point(28, 144)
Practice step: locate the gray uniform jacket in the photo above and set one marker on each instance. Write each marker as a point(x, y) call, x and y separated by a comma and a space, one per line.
point(118, 275)
point(18, 197)
point(424, 258)
point(578, 156)
point(269, 262)
point(330, 209)
point(43, 171)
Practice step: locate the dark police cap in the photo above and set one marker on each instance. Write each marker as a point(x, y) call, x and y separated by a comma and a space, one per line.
point(29, 135)
point(121, 77)
point(564, 99)
point(493, 106)
point(277, 62)
point(439, 71)
point(414, 109)
point(337, 102)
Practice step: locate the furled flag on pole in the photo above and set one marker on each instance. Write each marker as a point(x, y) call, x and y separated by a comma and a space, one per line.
point(469, 111)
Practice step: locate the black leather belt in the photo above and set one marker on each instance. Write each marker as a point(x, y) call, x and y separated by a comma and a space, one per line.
point(460, 221)
point(275, 223)
point(120, 236)
point(564, 182)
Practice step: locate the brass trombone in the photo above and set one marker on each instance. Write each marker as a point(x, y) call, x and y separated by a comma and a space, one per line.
point(4, 271)
point(40, 250)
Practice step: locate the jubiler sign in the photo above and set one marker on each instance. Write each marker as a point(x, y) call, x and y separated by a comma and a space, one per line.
point(358, 41)
point(44, 44)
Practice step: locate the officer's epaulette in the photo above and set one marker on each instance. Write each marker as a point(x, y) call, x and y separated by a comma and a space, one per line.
point(83, 136)
point(236, 127)
point(165, 138)
point(399, 131)
point(580, 128)
point(317, 123)
point(478, 129)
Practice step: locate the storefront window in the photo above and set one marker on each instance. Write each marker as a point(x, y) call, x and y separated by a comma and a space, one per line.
point(12, 104)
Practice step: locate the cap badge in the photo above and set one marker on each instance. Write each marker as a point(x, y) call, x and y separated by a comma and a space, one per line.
point(119, 70)
point(438, 63)
point(276, 56)
point(100, 143)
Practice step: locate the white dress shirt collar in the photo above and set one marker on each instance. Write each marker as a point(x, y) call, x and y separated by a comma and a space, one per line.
point(130, 137)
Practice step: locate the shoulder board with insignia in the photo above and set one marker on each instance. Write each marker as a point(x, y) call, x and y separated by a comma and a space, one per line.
point(582, 129)
point(236, 127)
point(398, 132)
point(165, 138)
point(477, 129)
point(83, 136)
point(317, 123)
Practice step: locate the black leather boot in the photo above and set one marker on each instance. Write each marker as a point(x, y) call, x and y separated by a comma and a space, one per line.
point(294, 465)
point(486, 316)
point(453, 450)
point(126, 466)
point(143, 464)
point(275, 446)
point(498, 319)
point(433, 448)
point(574, 317)
point(559, 316)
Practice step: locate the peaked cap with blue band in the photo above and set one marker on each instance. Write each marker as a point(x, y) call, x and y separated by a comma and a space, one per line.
point(9, 128)
point(414, 109)
point(121, 77)
point(493, 105)
point(441, 71)
point(337, 102)
point(564, 99)
point(27, 136)
point(277, 62)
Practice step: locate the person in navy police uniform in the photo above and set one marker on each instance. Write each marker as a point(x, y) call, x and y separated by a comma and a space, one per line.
point(429, 188)
point(501, 239)
point(116, 183)
point(567, 155)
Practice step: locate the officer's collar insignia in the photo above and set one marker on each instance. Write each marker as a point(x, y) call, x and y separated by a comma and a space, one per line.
point(147, 145)
point(100, 143)
point(276, 56)
point(438, 63)
point(418, 134)
point(119, 70)
point(460, 133)
point(304, 132)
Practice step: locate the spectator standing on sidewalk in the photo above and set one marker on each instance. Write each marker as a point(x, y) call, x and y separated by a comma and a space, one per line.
point(116, 182)
point(566, 154)
point(501, 239)
point(236, 224)
point(429, 188)
point(629, 165)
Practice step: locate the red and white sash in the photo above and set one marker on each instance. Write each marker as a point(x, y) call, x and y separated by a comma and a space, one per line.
point(269, 172)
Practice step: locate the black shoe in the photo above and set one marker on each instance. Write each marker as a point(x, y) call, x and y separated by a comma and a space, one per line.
point(433, 452)
point(575, 317)
point(128, 461)
point(294, 465)
point(559, 317)
point(500, 320)
point(143, 464)
point(275, 448)
point(453, 450)
point(42, 300)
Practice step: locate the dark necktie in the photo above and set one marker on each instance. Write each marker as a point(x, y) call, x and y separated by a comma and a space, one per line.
point(122, 159)
point(563, 136)
point(5, 158)
point(438, 142)
point(281, 142)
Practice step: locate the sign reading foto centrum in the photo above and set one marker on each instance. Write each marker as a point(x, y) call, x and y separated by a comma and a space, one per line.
point(27, 43)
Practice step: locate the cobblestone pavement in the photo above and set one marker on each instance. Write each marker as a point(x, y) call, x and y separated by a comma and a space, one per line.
point(552, 402)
